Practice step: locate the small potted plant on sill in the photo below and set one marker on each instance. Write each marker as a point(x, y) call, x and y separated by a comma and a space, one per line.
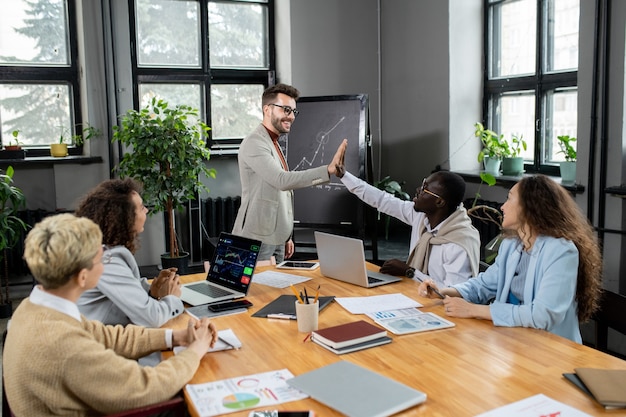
point(512, 162)
point(567, 167)
point(59, 149)
point(11, 201)
point(493, 148)
point(13, 150)
point(167, 153)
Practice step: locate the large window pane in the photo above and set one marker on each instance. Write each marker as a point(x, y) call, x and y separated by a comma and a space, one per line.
point(173, 94)
point(515, 115)
point(168, 33)
point(235, 110)
point(562, 36)
point(561, 119)
point(513, 34)
point(41, 112)
point(34, 32)
point(238, 35)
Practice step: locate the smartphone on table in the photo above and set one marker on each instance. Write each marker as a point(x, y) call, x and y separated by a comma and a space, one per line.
point(307, 265)
point(229, 305)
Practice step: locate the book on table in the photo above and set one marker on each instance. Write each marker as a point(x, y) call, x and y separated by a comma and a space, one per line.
point(348, 334)
point(358, 346)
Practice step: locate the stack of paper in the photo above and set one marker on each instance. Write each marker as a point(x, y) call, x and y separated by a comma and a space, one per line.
point(350, 337)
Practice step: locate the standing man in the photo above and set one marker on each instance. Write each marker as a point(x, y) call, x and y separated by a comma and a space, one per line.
point(266, 211)
point(444, 244)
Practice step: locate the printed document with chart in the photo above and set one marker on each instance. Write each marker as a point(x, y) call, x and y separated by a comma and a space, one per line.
point(240, 393)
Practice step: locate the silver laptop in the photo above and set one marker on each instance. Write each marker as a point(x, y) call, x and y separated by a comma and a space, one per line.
point(343, 259)
point(357, 391)
point(231, 272)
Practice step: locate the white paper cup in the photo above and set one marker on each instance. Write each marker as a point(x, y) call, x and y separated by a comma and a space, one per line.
point(306, 315)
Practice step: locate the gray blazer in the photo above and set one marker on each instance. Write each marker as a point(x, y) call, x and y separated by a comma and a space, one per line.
point(266, 211)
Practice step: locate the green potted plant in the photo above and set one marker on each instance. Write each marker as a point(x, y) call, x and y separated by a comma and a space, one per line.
point(13, 150)
point(168, 156)
point(11, 201)
point(567, 167)
point(493, 148)
point(392, 187)
point(512, 162)
point(59, 149)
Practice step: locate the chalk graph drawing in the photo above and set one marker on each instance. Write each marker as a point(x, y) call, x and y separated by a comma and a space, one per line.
point(322, 139)
point(320, 127)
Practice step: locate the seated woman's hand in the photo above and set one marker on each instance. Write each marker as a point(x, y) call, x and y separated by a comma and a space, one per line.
point(201, 335)
point(425, 289)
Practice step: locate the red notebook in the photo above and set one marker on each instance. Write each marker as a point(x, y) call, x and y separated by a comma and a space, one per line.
point(348, 334)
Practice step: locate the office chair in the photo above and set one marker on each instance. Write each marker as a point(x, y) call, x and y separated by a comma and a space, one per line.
point(609, 315)
point(176, 406)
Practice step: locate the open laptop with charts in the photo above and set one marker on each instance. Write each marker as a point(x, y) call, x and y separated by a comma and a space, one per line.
point(231, 271)
point(343, 258)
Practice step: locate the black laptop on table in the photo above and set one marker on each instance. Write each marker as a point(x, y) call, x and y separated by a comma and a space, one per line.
point(230, 274)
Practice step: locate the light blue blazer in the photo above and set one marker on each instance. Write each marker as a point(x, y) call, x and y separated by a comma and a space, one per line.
point(549, 291)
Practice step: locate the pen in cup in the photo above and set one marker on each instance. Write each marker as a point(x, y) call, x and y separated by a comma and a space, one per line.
point(317, 294)
point(306, 296)
point(293, 289)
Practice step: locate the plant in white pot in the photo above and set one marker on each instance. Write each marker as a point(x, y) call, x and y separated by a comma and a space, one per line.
point(11, 201)
point(512, 162)
point(168, 156)
point(567, 167)
point(492, 150)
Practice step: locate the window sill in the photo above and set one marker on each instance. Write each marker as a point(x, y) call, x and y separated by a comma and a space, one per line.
point(509, 181)
point(50, 160)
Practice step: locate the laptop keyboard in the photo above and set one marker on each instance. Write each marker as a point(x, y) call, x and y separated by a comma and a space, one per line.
point(373, 280)
point(209, 290)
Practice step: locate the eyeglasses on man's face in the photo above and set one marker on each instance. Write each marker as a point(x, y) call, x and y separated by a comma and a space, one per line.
point(288, 110)
point(423, 189)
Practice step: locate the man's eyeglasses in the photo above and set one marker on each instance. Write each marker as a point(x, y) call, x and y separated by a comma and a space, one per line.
point(423, 189)
point(106, 255)
point(288, 110)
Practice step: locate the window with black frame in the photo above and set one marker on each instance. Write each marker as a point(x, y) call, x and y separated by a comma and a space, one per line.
point(39, 78)
point(216, 56)
point(531, 75)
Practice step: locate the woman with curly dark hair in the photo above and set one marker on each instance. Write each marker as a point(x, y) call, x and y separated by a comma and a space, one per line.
point(122, 296)
point(548, 272)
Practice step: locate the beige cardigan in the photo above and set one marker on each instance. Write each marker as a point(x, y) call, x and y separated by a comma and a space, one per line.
point(55, 365)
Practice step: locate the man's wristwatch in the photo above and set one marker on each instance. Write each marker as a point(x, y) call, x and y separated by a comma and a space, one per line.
point(410, 273)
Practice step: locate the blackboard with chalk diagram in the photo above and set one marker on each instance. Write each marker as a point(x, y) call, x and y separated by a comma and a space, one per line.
point(318, 130)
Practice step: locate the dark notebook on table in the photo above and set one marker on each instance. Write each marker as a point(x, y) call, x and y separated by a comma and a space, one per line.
point(285, 307)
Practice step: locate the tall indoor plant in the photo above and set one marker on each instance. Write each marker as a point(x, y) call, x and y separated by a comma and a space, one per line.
point(168, 155)
point(11, 201)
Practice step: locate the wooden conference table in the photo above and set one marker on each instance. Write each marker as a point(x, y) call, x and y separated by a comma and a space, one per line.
point(465, 370)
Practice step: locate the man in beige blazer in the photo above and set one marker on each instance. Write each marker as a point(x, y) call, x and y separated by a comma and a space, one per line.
point(266, 211)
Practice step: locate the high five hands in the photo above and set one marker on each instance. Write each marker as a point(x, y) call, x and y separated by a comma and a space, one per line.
point(336, 166)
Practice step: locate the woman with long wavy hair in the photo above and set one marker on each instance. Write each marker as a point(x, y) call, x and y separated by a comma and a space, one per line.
point(548, 272)
point(122, 295)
